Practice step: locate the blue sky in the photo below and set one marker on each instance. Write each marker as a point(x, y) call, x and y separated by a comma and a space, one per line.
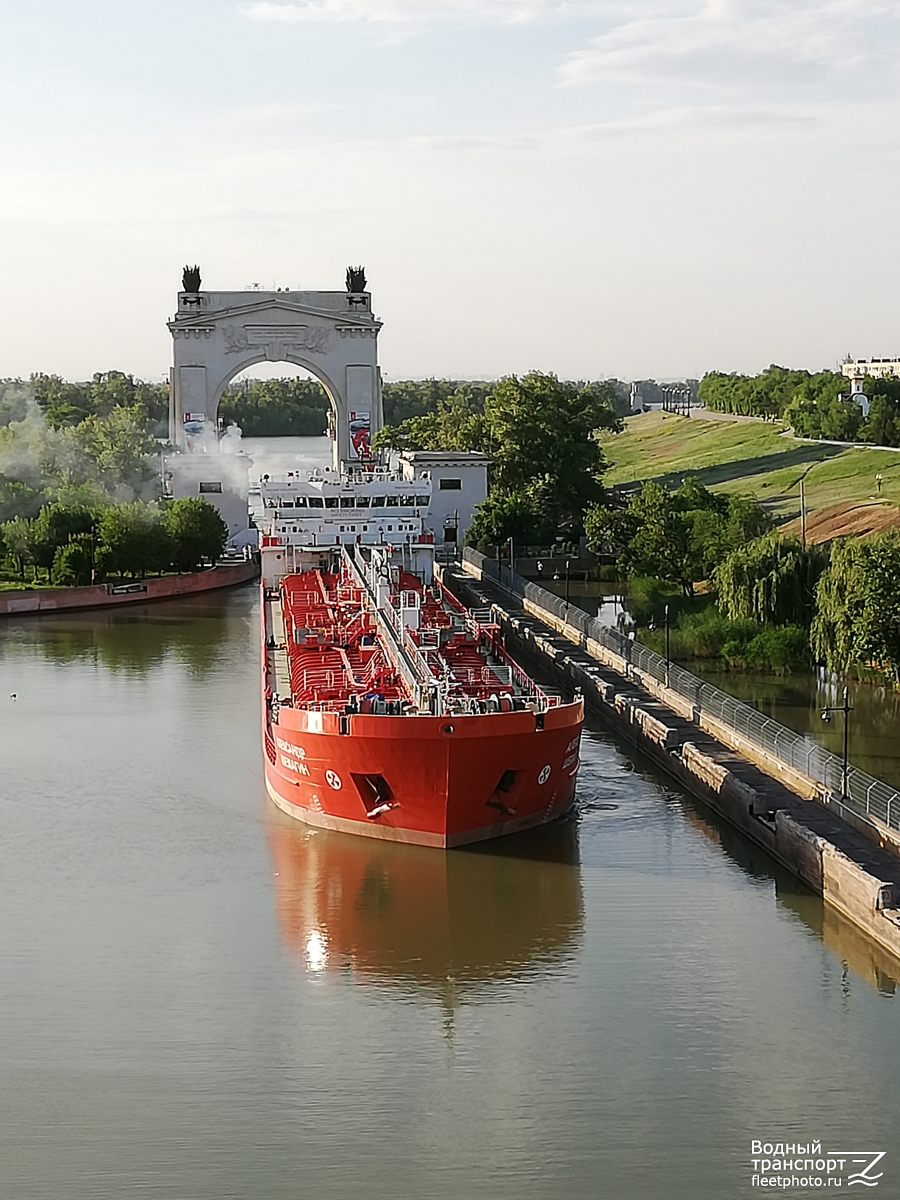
point(630, 188)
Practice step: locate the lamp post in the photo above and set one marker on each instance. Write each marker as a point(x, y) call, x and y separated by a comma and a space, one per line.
point(512, 555)
point(826, 716)
point(667, 645)
point(568, 562)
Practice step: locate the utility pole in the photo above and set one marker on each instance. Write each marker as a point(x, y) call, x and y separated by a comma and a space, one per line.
point(826, 716)
point(667, 645)
point(802, 514)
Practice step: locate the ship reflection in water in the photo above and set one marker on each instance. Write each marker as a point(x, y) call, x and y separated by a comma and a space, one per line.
point(445, 923)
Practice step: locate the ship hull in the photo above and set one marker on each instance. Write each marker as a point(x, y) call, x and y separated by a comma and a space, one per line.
point(428, 780)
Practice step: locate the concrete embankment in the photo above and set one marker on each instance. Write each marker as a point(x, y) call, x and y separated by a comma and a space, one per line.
point(856, 868)
point(167, 587)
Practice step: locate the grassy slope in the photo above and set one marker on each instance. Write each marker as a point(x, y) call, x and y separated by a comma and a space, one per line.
point(750, 457)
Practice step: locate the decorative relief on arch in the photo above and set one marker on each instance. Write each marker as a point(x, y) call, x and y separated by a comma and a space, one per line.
point(275, 341)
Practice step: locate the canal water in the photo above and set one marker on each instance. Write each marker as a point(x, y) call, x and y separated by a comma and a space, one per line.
point(799, 699)
point(200, 998)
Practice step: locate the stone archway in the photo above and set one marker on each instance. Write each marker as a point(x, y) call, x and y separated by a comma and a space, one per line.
point(333, 335)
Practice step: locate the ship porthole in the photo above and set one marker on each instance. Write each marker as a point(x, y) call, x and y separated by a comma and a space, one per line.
point(545, 774)
point(446, 729)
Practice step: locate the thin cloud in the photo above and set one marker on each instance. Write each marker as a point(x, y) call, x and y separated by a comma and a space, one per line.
point(405, 12)
point(734, 42)
point(724, 118)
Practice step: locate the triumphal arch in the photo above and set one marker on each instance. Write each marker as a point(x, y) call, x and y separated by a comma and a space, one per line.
point(333, 335)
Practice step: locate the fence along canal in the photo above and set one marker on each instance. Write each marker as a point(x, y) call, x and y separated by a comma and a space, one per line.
point(867, 797)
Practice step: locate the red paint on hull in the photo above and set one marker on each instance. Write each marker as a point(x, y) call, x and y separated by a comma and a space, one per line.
point(443, 773)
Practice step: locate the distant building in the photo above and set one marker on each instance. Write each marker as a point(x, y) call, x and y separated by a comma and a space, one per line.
point(875, 368)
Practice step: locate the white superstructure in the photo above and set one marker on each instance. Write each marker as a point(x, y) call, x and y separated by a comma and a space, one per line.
point(320, 508)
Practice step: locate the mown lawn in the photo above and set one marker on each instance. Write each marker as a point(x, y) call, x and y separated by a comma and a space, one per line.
point(752, 457)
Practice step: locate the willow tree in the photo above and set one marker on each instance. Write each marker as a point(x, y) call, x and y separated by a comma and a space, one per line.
point(771, 580)
point(857, 621)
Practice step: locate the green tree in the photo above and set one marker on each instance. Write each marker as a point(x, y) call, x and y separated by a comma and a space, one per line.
point(718, 524)
point(678, 537)
point(816, 409)
point(197, 531)
point(72, 565)
point(610, 531)
point(64, 403)
point(857, 619)
point(662, 546)
point(541, 433)
point(276, 407)
point(404, 399)
point(17, 536)
point(771, 580)
point(543, 437)
point(133, 540)
point(120, 444)
point(507, 515)
point(882, 427)
point(765, 395)
point(455, 423)
point(55, 526)
point(18, 499)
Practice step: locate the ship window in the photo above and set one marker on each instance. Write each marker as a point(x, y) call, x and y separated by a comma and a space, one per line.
point(423, 501)
point(362, 501)
point(316, 502)
point(287, 504)
point(209, 487)
point(301, 502)
point(408, 501)
point(393, 501)
point(342, 529)
point(390, 528)
point(378, 501)
point(331, 502)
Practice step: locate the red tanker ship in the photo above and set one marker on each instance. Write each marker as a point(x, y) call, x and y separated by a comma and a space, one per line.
point(392, 711)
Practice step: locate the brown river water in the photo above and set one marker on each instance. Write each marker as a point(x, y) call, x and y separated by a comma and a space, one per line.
point(200, 998)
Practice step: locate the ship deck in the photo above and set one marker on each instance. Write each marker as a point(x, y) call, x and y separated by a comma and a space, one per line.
point(331, 647)
point(280, 664)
